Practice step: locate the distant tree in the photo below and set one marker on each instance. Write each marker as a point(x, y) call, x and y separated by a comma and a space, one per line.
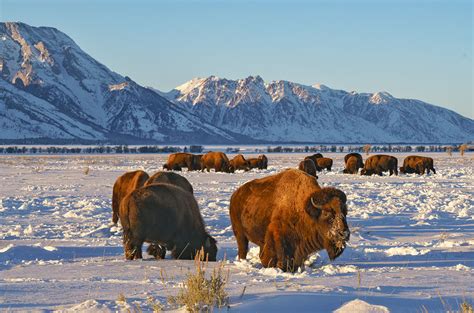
point(449, 150)
point(462, 149)
point(367, 149)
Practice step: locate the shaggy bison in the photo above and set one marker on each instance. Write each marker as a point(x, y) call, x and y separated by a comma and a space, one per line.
point(125, 184)
point(176, 161)
point(166, 216)
point(307, 165)
point(261, 162)
point(216, 160)
point(324, 163)
point(417, 164)
point(353, 167)
point(239, 163)
point(289, 216)
point(379, 163)
point(315, 158)
point(170, 178)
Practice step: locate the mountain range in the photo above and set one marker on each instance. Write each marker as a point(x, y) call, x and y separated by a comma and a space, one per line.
point(52, 91)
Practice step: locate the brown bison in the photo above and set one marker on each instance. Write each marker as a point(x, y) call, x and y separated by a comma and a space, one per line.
point(167, 216)
point(417, 164)
point(176, 161)
point(315, 158)
point(352, 165)
point(324, 163)
point(379, 163)
point(307, 165)
point(216, 160)
point(239, 163)
point(170, 178)
point(289, 216)
point(359, 164)
point(125, 184)
point(261, 162)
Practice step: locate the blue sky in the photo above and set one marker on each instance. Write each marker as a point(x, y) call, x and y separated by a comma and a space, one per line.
point(412, 49)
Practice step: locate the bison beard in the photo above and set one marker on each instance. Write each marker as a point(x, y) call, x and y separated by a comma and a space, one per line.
point(288, 229)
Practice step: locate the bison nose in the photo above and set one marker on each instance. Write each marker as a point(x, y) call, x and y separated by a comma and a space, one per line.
point(347, 235)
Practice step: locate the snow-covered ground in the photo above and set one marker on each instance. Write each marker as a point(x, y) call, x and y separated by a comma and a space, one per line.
point(411, 248)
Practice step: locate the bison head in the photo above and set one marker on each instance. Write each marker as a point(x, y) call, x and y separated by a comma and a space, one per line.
point(210, 248)
point(328, 208)
point(367, 172)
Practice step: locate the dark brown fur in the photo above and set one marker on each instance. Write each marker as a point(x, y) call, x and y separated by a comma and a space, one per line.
point(167, 216)
point(307, 165)
point(417, 164)
point(239, 163)
point(261, 162)
point(352, 165)
point(324, 163)
point(170, 178)
point(360, 161)
point(176, 161)
point(276, 213)
point(216, 160)
point(125, 184)
point(379, 163)
point(315, 158)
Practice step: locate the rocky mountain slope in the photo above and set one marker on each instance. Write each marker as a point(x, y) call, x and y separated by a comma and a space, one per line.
point(51, 90)
point(287, 111)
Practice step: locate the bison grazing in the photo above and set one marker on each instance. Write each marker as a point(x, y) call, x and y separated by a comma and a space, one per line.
point(354, 167)
point(379, 163)
point(261, 162)
point(324, 163)
point(176, 161)
point(417, 164)
point(125, 184)
point(167, 216)
point(289, 216)
point(239, 163)
point(170, 178)
point(307, 165)
point(216, 160)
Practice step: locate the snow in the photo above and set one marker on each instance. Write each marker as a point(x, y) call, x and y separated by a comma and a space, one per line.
point(412, 242)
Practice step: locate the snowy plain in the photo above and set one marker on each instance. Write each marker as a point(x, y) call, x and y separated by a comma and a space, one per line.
point(411, 248)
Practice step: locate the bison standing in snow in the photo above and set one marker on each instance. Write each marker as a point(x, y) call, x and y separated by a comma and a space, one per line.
point(417, 164)
point(239, 163)
point(216, 160)
point(261, 162)
point(307, 165)
point(324, 163)
point(125, 184)
point(379, 163)
point(170, 178)
point(167, 216)
point(353, 161)
point(289, 216)
point(176, 161)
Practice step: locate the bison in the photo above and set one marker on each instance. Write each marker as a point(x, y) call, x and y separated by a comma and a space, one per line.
point(359, 164)
point(307, 165)
point(261, 162)
point(324, 163)
point(352, 165)
point(167, 216)
point(216, 160)
point(176, 161)
point(240, 163)
point(170, 178)
point(417, 164)
point(125, 184)
point(315, 158)
point(289, 216)
point(379, 163)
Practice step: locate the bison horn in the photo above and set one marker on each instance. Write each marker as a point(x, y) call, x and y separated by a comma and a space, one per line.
point(314, 204)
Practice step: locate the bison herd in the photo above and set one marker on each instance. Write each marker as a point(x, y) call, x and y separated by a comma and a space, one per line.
point(288, 215)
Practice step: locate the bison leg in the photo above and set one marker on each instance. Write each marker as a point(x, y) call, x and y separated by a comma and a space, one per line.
point(133, 248)
point(267, 255)
point(243, 245)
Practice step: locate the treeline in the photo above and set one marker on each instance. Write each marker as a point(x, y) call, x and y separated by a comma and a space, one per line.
point(98, 150)
point(124, 149)
point(360, 149)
